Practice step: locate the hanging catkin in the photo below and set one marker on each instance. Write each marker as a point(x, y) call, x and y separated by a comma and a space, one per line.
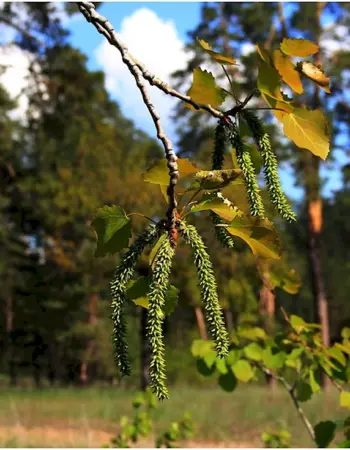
point(220, 141)
point(272, 178)
point(208, 288)
point(155, 317)
point(122, 276)
point(246, 165)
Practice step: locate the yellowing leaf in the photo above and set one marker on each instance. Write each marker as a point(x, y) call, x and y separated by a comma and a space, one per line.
point(269, 81)
point(219, 205)
point(204, 89)
point(287, 71)
point(344, 399)
point(298, 47)
point(218, 57)
point(308, 129)
point(315, 74)
point(259, 234)
point(113, 229)
point(280, 105)
point(159, 172)
point(264, 54)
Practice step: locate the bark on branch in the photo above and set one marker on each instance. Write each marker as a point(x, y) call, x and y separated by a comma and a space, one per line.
point(104, 27)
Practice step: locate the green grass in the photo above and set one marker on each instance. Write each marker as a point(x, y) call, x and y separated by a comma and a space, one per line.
point(237, 417)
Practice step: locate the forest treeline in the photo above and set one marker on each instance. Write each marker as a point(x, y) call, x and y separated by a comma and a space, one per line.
point(74, 152)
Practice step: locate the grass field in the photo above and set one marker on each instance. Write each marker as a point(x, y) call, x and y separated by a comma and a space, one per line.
point(89, 417)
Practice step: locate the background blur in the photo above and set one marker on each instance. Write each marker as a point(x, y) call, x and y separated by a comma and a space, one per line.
point(74, 135)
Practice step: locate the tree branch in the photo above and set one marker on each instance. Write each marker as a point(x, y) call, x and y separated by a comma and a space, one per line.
point(290, 389)
point(104, 27)
point(21, 30)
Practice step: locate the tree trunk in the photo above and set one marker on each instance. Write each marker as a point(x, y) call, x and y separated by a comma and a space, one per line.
point(145, 351)
point(201, 323)
point(315, 217)
point(84, 369)
point(9, 341)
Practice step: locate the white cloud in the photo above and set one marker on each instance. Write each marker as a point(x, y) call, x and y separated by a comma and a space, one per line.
point(14, 78)
point(155, 43)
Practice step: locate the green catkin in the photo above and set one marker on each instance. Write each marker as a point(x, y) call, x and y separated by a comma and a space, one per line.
point(246, 165)
point(208, 288)
point(155, 318)
point(220, 140)
point(272, 178)
point(122, 276)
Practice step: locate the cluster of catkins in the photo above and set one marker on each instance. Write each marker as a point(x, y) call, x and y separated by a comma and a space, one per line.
point(226, 132)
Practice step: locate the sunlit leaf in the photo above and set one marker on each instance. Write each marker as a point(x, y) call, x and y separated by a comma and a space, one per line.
point(263, 53)
point(269, 81)
point(298, 47)
point(259, 234)
point(253, 351)
point(337, 354)
point(113, 229)
point(205, 90)
point(345, 399)
point(218, 57)
point(308, 129)
point(243, 370)
point(282, 277)
point(218, 205)
point(221, 365)
point(315, 74)
point(158, 173)
point(273, 360)
point(201, 347)
point(280, 108)
point(287, 71)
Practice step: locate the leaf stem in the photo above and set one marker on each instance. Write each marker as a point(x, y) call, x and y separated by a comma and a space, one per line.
point(142, 215)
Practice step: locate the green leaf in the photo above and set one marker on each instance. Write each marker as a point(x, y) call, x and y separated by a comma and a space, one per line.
point(345, 399)
point(214, 179)
point(297, 323)
point(210, 358)
point(228, 382)
point(324, 433)
point(303, 391)
point(345, 333)
point(218, 57)
point(205, 90)
point(345, 347)
point(298, 47)
point(315, 74)
point(201, 347)
point(315, 381)
point(308, 129)
point(158, 173)
point(344, 444)
point(273, 359)
point(278, 275)
point(218, 204)
point(221, 366)
point(337, 354)
point(243, 370)
point(203, 369)
point(269, 81)
point(154, 251)
point(113, 229)
point(137, 292)
point(259, 234)
point(288, 71)
point(253, 351)
point(252, 333)
point(233, 357)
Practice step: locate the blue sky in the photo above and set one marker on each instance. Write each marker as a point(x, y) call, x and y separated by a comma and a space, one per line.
point(159, 45)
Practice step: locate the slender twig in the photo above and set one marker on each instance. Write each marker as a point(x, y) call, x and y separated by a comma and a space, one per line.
point(156, 81)
point(264, 109)
point(104, 27)
point(291, 391)
point(236, 109)
point(230, 82)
